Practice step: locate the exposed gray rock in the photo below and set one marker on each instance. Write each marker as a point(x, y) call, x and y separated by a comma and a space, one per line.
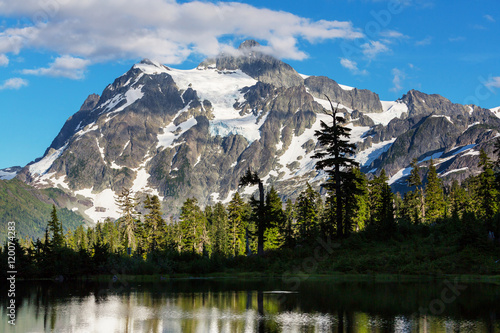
point(360, 99)
point(111, 140)
point(258, 65)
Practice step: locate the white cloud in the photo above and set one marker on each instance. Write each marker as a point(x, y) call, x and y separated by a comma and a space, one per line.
point(164, 30)
point(426, 41)
point(393, 34)
point(373, 48)
point(4, 61)
point(489, 18)
point(65, 66)
point(493, 82)
point(397, 80)
point(352, 66)
point(13, 83)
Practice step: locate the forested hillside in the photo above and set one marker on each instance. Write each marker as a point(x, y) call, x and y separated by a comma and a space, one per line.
point(30, 209)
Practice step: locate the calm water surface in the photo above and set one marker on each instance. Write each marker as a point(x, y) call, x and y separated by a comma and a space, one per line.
point(235, 305)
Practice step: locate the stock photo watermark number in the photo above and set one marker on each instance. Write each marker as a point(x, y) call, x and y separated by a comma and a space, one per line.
point(11, 273)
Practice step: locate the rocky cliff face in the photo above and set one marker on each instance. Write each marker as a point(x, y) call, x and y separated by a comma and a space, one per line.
point(180, 134)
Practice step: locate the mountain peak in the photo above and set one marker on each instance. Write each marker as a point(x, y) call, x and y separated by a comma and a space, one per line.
point(248, 44)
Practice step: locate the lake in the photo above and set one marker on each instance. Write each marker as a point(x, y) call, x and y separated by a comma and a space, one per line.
point(254, 305)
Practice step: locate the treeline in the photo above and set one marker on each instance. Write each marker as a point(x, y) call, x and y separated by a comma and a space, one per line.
point(360, 214)
point(204, 240)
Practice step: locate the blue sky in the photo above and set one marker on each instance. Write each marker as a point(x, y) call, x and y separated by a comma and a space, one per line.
point(54, 53)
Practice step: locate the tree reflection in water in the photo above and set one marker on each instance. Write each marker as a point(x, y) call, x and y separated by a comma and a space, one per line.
point(203, 305)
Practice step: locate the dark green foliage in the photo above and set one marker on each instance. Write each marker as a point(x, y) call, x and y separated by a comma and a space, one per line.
point(308, 211)
point(154, 224)
point(381, 206)
point(275, 221)
point(128, 222)
point(193, 225)
point(289, 231)
point(434, 197)
point(238, 215)
point(464, 218)
point(334, 159)
point(252, 178)
point(30, 208)
point(413, 203)
point(488, 190)
point(219, 235)
point(55, 229)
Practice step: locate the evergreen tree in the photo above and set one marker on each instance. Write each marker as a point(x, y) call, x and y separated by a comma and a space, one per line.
point(275, 221)
point(55, 229)
point(252, 178)
point(458, 200)
point(237, 225)
point(193, 227)
point(496, 151)
point(334, 159)
point(434, 197)
point(308, 209)
point(219, 225)
point(80, 236)
point(488, 191)
point(356, 208)
point(414, 200)
point(381, 205)
point(128, 220)
point(290, 216)
point(154, 223)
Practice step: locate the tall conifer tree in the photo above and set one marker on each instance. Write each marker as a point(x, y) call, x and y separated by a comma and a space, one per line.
point(127, 203)
point(434, 197)
point(334, 158)
point(237, 225)
point(252, 178)
point(55, 229)
point(154, 223)
point(488, 191)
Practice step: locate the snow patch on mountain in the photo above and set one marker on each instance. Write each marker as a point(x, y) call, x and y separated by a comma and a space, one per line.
point(151, 67)
point(453, 171)
point(391, 110)
point(247, 126)
point(222, 89)
point(439, 157)
point(345, 87)
point(170, 132)
point(402, 173)
point(131, 96)
point(141, 180)
point(496, 111)
point(7, 174)
point(441, 116)
point(296, 153)
point(89, 128)
point(50, 179)
point(367, 156)
point(326, 104)
point(42, 166)
point(104, 204)
point(472, 153)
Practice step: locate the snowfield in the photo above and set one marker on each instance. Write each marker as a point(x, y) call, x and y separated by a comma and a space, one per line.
point(223, 89)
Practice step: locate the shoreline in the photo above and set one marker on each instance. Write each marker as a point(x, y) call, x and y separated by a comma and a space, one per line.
point(248, 276)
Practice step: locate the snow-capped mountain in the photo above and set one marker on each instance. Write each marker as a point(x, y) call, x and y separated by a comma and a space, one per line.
point(193, 133)
point(9, 173)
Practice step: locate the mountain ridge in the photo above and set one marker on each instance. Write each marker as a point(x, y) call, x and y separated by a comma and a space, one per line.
point(182, 133)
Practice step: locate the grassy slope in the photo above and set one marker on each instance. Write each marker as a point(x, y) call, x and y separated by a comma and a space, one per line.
point(30, 208)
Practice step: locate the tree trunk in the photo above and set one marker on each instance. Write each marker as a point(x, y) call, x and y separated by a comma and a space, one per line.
point(261, 221)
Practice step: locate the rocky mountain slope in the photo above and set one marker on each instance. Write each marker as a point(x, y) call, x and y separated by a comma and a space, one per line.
point(193, 133)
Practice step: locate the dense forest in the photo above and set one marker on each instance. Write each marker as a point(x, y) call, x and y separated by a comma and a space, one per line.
point(360, 224)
